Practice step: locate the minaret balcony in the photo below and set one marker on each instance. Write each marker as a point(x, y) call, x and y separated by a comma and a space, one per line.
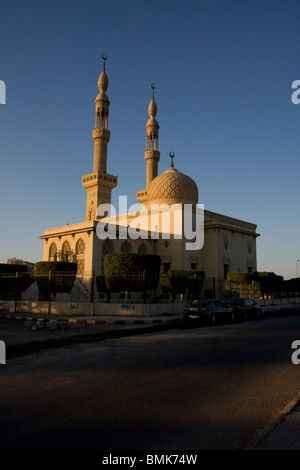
point(152, 154)
point(97, 178)
point(142, 196)
point(100, 133)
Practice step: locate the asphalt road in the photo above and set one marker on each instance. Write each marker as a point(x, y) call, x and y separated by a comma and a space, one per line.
point(210, 388)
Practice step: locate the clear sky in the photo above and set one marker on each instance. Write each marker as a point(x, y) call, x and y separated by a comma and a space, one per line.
point(223, 71)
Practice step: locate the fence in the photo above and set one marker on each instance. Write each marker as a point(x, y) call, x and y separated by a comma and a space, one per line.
point(131, 289)
point(55, 286)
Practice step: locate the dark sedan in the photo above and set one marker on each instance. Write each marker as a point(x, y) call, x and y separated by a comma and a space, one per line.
point(212, 310)
point(244, 308)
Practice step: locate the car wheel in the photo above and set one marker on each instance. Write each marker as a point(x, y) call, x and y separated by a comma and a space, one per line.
point(258, 316)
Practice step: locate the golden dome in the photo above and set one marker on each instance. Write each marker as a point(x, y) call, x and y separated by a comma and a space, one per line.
point(172, 187)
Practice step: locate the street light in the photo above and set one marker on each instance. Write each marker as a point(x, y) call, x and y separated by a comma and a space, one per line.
point(297, 267)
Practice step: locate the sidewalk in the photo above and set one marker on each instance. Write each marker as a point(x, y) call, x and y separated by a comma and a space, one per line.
point(25, 333)
point(283, 433)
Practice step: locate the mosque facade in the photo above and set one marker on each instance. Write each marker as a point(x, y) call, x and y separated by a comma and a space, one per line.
point(227, 244)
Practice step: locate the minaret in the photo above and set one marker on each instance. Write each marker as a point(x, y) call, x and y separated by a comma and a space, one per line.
point(152, 154)
point(99, 184)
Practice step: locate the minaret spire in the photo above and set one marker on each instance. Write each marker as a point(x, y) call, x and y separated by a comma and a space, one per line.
point(99, 184)
point(101, 134)
point(152, 154)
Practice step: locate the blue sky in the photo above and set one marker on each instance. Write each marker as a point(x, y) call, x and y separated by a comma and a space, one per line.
point(223, 72)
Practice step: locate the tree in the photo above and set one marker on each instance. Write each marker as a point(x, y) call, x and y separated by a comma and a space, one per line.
point(63, 275)
point(183, 281)
point(124, 271)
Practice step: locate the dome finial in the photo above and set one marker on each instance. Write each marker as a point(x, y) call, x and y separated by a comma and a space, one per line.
point(172, 155)
point(103, 80)
point(152, 110)
point(104, 57)
point(153, 87)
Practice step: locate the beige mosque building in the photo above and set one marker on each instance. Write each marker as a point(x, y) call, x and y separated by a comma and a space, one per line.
point(227, 244)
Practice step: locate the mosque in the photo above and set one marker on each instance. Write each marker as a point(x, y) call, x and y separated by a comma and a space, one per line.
point(227, 244)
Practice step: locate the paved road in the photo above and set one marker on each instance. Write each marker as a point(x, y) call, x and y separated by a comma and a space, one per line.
point(206, 388)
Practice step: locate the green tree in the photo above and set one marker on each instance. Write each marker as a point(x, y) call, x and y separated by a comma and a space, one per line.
point(183, 281)
point(63, 275)
point(124, 271)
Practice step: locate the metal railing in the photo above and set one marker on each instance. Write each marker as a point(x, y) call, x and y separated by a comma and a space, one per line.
point(69, 286)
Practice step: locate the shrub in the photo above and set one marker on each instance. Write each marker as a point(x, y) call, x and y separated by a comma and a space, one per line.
point(291, 285)
point(43, 267)
point(124, 271)
point(181, 281)
point(13, 268)
point(63, 276)
point(8, 283)
point(241, 278)
point(268, 281)
point(165, 283)
point(101, 284)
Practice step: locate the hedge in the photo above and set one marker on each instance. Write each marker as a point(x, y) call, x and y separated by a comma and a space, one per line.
point(13, 268)
point(8, 283)
point(124, 271)
point(101, 284)
point(43, 267)
point(269, 282)
point(63, 276)
point(291, 285)
point(182, 281)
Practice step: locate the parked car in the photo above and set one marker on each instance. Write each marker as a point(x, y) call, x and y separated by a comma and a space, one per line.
point(212, 310)
point(245, 308)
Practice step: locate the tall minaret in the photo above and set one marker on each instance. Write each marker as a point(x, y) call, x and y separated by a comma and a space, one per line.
point(152, 154)
point(99, 184)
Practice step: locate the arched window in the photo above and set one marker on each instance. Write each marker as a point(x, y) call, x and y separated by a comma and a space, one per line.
point(66, 251)
point(53, 252)
point(143, 250)
point(126, 247)
point(108, 247)
point(79, 252)
point(80, 247)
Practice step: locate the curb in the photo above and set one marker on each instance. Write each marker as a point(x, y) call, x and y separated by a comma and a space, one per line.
point(280, 308)
point(89, 321)
point(16, 350)
point(281, 416)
